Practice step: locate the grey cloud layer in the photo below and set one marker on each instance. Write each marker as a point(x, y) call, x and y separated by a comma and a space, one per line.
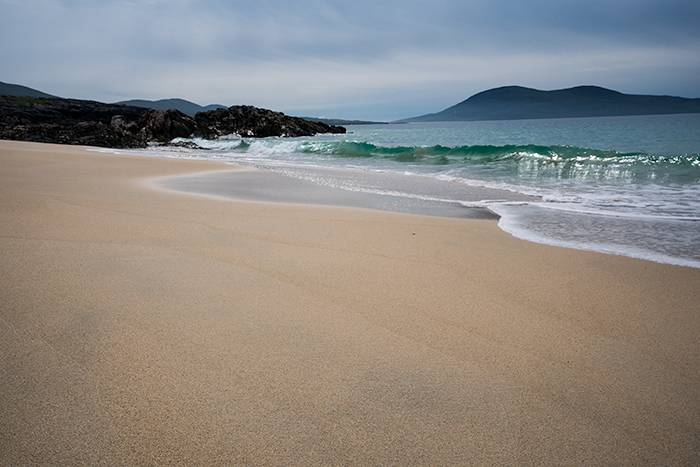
point(97, 45)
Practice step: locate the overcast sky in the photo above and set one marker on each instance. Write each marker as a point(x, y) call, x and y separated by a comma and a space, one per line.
point(357, 59)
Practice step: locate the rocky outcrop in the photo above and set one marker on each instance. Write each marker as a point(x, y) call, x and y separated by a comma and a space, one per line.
point(66, 112)
point(247, 121)
point(164, 125)
point(82, 133)
point(72, 121)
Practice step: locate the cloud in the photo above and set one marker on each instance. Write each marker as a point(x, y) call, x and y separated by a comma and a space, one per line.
point(370, 57)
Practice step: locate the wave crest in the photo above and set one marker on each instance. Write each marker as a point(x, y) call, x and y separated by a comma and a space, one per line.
point(530, 160)
point(477, 154)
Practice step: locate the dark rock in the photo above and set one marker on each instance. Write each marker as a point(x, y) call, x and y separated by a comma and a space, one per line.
point(83, 133)
point(72, 121)
point(62, 111)
point(164, 125)
point(183, 144)
point(69, 121)
point(248, 121)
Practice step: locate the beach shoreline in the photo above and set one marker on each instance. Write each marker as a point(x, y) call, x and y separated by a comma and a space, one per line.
point(144, 326)
point(256, 185)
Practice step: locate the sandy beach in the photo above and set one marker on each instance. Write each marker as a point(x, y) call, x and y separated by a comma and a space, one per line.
point(140, 326)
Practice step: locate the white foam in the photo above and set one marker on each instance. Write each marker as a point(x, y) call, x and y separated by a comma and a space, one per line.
point(664, 240)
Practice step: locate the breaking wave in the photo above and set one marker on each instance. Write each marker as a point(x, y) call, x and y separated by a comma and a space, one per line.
point(530, 161)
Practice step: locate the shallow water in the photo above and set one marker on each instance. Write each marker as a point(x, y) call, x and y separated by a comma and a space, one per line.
point(622, 185)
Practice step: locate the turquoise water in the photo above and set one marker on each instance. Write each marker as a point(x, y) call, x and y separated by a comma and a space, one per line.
point(621, 185)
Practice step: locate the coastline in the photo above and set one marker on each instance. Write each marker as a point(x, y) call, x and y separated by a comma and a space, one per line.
point(142, 326)
point(255, 185)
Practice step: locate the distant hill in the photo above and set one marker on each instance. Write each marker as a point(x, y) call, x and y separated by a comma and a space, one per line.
point(20, 91)
point(517, 102)
point(186, 107)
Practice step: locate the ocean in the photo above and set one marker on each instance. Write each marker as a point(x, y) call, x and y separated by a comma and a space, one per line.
point(620, 185)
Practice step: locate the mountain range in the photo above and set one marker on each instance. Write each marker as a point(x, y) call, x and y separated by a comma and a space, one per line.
point(504, 103)
point(186, 107)
point(20, 91)
point(517, 103)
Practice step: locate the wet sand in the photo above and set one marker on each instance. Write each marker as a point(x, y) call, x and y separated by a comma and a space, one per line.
point(146, 327)
point(248, 184)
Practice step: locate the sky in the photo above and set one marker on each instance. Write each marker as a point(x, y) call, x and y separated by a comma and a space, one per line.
point(356, 59)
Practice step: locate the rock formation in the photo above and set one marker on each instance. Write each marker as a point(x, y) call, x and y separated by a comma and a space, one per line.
point(72, 121)
point(247, 121)
point(163, 126)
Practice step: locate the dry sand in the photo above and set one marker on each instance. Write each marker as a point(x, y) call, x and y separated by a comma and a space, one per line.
point(143, 327)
